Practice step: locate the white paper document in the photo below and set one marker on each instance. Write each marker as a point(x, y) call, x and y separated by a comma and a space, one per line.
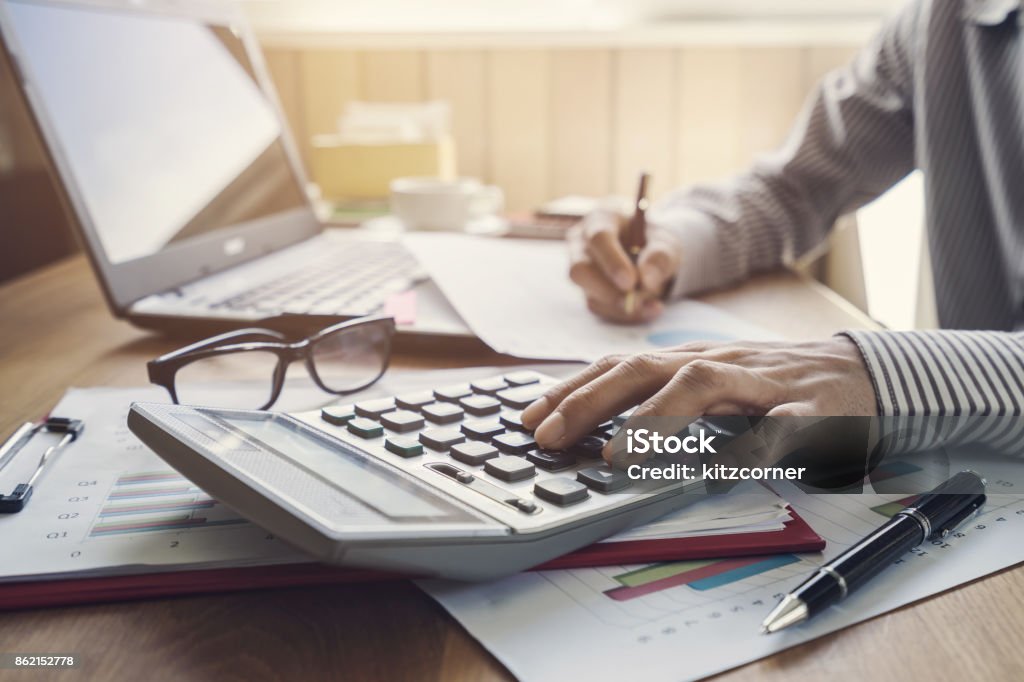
point(515, 294)
point(687, 620)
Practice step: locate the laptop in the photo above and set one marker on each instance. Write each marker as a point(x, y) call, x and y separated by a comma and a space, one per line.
point(182, 178)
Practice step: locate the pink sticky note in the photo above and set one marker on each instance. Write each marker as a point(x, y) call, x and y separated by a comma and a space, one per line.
point(402, 307)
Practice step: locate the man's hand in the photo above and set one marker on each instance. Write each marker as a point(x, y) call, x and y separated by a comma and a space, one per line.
point(600, 266)
point(820, 378)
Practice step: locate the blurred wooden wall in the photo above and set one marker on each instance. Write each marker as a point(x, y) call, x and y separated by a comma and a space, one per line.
point(547, 121)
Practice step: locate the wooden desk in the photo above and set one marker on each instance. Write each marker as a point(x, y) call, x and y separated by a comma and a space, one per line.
point(56, 332)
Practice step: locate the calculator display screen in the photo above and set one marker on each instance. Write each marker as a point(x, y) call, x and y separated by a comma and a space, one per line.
point(386, 492)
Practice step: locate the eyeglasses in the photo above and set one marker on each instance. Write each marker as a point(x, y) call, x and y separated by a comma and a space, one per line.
point(341, 359)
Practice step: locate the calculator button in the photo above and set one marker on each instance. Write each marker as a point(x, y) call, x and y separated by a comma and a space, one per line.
point(526, 506)
point(482, 429)
point(603, 479)
point(453, 472)
point(441, 439)
point(561, 491)
point(521, 396)
point(474, 452)
point(551, 460)
point(489, 386)
point(402, 421)
point(452, 394)
point(514, 443)
point(589, 448)
point(480, 405)
point(443, 413)
point(509, 468)
point(403, 446)
point(523, 378)
point(414, 401)
point(365, 428)
point(513, 420)
point(339, 416)
point(373, 409)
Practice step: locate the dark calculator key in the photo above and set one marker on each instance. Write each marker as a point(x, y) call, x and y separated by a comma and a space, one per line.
point(509, 468)
point(525, 505)
point(414, 401)
point(523, 378)
point(514, 443)
point(365, 428)
point(551, 460)
point(513, 420)
point(488, 386)
point(403, 446)
point(520, 396)
point(480, 405)
point(402, 420)
point(339, 416)
point(441, 439)
point(561, 491)
point(452, 394)
point(603, 479)
point(473, 452)
point(443, 413)
point(373, 409)
point(482, 429)
point(590, 447)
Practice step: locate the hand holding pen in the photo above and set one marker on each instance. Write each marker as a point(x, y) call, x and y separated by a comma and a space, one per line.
point(624, 264)
point(634, 237)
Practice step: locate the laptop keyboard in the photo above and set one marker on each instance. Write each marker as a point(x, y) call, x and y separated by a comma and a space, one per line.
point(339, 279)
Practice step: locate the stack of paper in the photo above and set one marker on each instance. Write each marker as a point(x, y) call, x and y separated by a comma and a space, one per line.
point(749, 509)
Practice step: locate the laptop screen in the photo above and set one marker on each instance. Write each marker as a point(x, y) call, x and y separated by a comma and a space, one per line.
point(161, 121)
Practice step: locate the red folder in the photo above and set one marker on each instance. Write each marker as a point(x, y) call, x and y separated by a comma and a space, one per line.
point(797, 536)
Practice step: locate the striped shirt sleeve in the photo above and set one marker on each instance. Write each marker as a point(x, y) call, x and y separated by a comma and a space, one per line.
point(945, 373)
point(946, 388)
point(853, 140)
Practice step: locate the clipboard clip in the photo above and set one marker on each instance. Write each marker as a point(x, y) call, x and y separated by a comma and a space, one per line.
point(70, 428)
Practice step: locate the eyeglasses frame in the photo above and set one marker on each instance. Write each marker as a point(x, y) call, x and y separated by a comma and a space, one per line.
point(163, 370)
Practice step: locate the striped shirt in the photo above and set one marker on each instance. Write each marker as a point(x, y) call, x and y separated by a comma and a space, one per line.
point(940, 88)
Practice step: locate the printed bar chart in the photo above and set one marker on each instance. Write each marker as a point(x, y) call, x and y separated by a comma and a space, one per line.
point(157, 501)
point(698, 575)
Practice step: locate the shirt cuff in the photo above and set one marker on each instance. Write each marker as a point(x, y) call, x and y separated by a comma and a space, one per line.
point(699, 268)
point(944, 373)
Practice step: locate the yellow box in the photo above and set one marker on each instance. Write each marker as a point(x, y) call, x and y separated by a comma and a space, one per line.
point(364, 171)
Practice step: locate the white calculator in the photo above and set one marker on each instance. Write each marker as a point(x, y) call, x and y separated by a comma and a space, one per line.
point(434, 483)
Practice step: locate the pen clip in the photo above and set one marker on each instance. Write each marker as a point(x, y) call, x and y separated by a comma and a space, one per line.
point(960, 518)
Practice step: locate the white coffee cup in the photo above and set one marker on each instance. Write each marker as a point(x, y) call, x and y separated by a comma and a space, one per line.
point(436, 204)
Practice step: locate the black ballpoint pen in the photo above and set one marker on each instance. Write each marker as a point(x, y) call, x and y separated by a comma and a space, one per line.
point(936, 513)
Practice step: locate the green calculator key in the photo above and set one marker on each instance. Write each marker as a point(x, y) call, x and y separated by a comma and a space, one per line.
point(403, 446)
point(365, 428)
point(339, 416)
